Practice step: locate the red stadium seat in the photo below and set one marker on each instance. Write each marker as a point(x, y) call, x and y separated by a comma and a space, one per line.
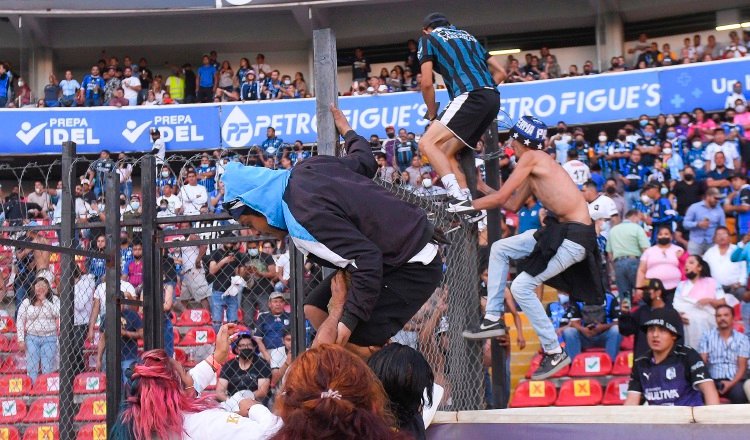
point(12, 345)
point(194, 317)
point(46, 385)
point(15, 385)
point(7, 325)
point(616, 392)
point(42, 432)
point(591, 364)
point(14, 364)
point(176, 335)
point(90, 383)
point(536, 360)
point(44, 410)
point(198, 336)
point(623, 364)
point(9, 433)
point(12, 411)
point(580, 392)
point(628, 342)
point(4, 342)
point(93, 409)
point(92, 431)
point(180, 356)
point(534, 393)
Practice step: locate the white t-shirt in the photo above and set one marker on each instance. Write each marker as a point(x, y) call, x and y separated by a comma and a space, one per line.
point(130, 94)
point(282, 265)
point(189, 255)
point(173, 203)
point(192, 198)
point(728, 148)
point(723, 270)
point(578, 171)
point(161, 148)
point(83, 299)
point(101, 294)
point(602, 208)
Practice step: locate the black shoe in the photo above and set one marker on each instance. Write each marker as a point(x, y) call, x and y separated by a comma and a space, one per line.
point(486, 329)
point(550, 365)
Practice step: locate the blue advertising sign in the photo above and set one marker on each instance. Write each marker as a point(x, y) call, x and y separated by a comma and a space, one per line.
point(188, 127)
point(582, 100)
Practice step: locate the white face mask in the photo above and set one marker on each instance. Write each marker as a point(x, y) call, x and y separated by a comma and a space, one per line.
point(427, 183)
point(646, 199)
point(602, 138)
point(563, 298)
point(287, 82)
point(135, 205)
point(261, 76)
point(667, 151)
point(740, 109)
point(165, 174)
point(697, 144)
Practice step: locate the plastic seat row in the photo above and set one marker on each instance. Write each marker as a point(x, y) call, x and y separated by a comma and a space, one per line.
point(573, 392)
point(199, 317)
point(49, 384)
point(91, 431)
point(46, 410)
point(591, 364)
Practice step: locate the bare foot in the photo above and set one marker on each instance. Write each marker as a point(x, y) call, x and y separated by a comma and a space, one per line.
point(342, 125)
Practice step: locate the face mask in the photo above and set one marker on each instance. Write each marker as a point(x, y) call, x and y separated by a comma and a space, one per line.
point(697, 144)
point(740, 109)
point(663, 240)
point(602, 138)
point(691, 275)
point(689, 177)
point(643, 122)
point(670, 121)
point(123, 202)
point(287, 82)
point(646, 199)
point(261, 76)
point(647, 134)
point(563, 298)
point(427, 183)
point(163, 208)
point(684, 121)
point(165, 174)
point(135, 205)
point(667, 151)
point(20, 83)
point(253, 252)
point(391, 135)
point(611, 190)
point(621, 137)
point(664, 191)
point(671, 135)
point(246, 353)
point(647, 299)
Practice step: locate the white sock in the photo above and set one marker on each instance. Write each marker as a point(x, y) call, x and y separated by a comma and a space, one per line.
point(451, 186)
point(466, 193)
point(557, 350)
point(491, 317)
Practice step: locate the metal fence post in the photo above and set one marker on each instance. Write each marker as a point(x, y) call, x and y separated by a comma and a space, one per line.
point(68, 350)
point(500, 386)
point(326, 93)
point(297, 265)
point(153, 292)
point(113, 340)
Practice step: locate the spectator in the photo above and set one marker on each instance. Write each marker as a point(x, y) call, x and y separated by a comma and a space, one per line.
point(670, 373)
point(625, 245)
point(175, 85)
point(631, 321)
point(150, 98)
point(37, 329)
point(405, 150)
point(131, 330)
point(726, 351)
point(360, 66)
point(588, 68)
point(195, 286)
point(191, 83)
point(271, 146)
point(650, 57)
point(593, 326)
point(661, 261)
point(528, 215)
point(300, 85)
point(271, 326)
point(385, 172)
point(126, 251)
point(216, 198)
point(250, 89)
point(641, 46)
point(52, 92)
point(672, 159)
point(701, 220)
point(247, 372)
point(98, 170)
point(551, 67)
point(118, 100)
point(735, 49)
point(732, 276)
point(112, 83)
point(262, 270)
point(70, 89)
point(165, 178)
point(731, 101)
point(260, 64)
point(93, 88)
point(667, 57)
point(742, 119)
point(696, 299)
point(601, 207)
point(223, 266)
point(6, 78)
point(702, 127)
point(23, 94)
point(561, 141)
point(193, 197)
point(206, 173)
point(321, 400)
point(737, 204)
point(97, 266)
point(287, 89)
point(578, 171)
point(657, 209)
point(41, 198)
point(125, 172)
point(299, 153)
point(687, 192)
point(206, 80)
point(721, 145)
point(135, 267)
point(83, 291)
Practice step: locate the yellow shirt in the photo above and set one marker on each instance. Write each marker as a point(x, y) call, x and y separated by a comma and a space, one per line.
point(176, 87)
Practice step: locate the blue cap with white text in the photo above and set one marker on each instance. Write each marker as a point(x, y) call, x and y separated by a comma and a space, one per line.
point(530, 131)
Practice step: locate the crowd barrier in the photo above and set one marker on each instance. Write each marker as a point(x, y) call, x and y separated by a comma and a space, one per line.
point(590, 99)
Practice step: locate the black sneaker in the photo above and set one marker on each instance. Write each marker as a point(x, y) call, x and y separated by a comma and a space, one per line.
point(550, 365)
point(485, 330)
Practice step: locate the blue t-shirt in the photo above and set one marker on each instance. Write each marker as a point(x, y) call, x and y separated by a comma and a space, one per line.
point(271, 328)
point(743, 218)
point(210, 182)
point(207, 75)
point(130, 321)
point(5, 79)
point(93, 85)
point(674, 381)
point(97, 267)
point(528, 218)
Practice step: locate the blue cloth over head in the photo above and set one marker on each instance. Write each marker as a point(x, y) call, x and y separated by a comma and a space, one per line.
point(530, 131)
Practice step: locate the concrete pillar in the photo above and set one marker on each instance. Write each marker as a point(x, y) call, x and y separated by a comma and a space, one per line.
point(728, 16)
point(611, 37)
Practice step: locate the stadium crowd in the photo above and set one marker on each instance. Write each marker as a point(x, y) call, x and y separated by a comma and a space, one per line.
point(115, 82)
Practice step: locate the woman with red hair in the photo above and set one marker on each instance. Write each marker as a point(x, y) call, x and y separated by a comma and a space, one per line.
point(329, 393)
point(161, 402)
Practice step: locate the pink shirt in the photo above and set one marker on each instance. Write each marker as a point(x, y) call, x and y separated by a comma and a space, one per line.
point(663, 264)
point(135, 272)
point(743, 120)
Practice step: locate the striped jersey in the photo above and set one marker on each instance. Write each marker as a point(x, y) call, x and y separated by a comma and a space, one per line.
point(458, 57)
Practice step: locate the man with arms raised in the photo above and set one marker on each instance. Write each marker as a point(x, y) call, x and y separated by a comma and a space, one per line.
point(563, 253)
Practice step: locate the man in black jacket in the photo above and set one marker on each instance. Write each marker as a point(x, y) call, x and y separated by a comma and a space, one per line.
point(631, 322)
point(384, 248)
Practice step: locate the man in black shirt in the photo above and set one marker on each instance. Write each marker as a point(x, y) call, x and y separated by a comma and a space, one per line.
point(631, 322)
point(246, 372)
point(189, 75)
point(221, 269)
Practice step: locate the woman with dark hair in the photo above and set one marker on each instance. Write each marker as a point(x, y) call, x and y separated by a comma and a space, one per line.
point(406, 376)
point(661, 261)
point(329, 393)
point(161, 402)
point(696, 299)
point(630, 322)
point(37, 328)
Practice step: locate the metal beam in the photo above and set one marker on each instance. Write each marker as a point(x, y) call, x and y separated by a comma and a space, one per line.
point(297, 264)
point(112, 336)
point(50, 248)
point(185, 243)
point(153, 292)
point(326, 90)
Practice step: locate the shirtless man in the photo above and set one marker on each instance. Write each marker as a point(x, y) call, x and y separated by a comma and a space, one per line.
point(567, 238)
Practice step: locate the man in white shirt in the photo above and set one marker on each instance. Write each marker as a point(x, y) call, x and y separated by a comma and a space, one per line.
point(735, 95)
point(731, 276)
point(729, 149)
point(260, 64)
point(601, 207)
point(131, 85)
point(99, 307)
point(192, 195)
point(577, 170)
point(174, 204)
point(160, 147)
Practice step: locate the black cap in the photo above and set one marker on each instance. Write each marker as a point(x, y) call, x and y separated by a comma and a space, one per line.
point(652, 284)
point(738, 175)
point(235, 208)
point(434, 19)
point(663, 319)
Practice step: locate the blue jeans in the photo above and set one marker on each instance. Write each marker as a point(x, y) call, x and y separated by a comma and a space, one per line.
point(92, 101)
point(218, 302)
point(524, 286)
point(3, 101)
point(632, 198)
point(126, 189)
point(168, 336)
point(625, 273)
point(575, 341)
point(20, 296)
point(40, 350)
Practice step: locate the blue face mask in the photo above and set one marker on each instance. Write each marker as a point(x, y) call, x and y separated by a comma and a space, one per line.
point(647, 134)
point(643, 122)
point(671, 135)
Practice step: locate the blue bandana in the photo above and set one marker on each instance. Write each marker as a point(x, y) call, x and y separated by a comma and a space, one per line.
point(530, 131)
